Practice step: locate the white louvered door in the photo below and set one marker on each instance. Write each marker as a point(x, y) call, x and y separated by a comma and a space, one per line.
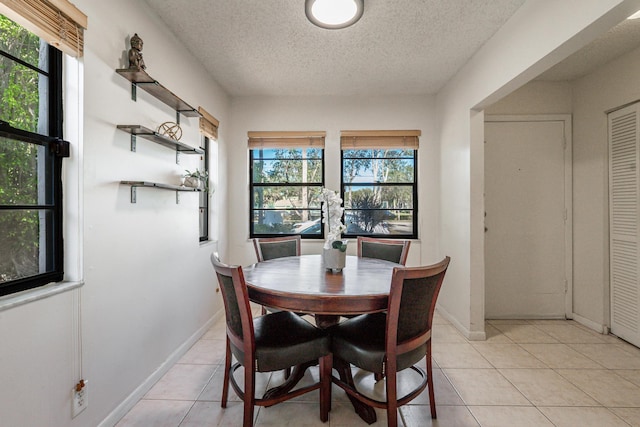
point(624, 222)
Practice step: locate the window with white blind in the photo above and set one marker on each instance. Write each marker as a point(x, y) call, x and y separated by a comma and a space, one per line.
point(379, 183)
point(286, 179)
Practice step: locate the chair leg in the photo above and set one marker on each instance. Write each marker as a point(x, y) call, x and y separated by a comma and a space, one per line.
point(432, 399)
point(225, 381)
point(392, 397)
point(326, 363)
point(249, 395)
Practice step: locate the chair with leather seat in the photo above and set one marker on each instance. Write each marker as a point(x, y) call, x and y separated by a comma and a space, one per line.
point(386, 249)
point(389, 342)
point(268, 343)
point(275, 247)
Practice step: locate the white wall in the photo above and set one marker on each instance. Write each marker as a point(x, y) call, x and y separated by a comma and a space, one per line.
point(149, 287)
point(588, 99)
point(536, 97)
point(611, 86)
point(529, 43)
point(332, 114)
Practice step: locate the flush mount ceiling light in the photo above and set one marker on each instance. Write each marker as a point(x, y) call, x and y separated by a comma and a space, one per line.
point(334, 14)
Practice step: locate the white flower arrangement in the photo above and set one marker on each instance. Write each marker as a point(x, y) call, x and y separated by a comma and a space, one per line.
point(332, 212)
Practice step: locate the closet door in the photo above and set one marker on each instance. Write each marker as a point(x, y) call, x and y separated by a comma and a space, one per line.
point(623, 222)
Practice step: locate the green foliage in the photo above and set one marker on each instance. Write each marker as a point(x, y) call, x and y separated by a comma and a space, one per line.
point(339, 244)
point(368, 215)
point(20, 107)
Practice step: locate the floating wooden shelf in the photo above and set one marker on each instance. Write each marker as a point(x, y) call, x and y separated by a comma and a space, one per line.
point(140, 78)
point(146, 133)
point(177, 188)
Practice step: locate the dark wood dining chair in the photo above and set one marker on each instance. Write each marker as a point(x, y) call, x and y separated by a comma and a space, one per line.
point(275, 247)
point(387, 343)
point(386, 249)
point(268, 343)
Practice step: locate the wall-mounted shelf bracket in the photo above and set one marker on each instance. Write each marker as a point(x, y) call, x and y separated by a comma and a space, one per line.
point(146, 133)
point(139, 77)
point(177, 188)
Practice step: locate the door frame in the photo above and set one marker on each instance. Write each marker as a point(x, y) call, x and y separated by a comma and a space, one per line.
point(568, 191)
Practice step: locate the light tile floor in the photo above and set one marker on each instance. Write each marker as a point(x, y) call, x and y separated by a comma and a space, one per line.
point(527, 373)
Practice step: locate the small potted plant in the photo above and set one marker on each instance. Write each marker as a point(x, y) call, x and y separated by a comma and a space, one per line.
point(334, 252)
point(197, 179)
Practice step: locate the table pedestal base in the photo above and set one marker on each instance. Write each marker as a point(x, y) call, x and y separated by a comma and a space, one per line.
point(366, 412)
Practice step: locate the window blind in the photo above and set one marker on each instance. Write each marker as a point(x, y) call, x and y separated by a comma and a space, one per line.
point(208, 124)
point(286, 139)
point(58, 22)
point(379, 139)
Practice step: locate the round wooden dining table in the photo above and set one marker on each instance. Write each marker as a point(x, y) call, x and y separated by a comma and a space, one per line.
point(303, 285)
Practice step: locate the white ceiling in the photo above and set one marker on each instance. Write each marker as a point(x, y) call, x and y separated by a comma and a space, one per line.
point(268, 47)
point(617, 41)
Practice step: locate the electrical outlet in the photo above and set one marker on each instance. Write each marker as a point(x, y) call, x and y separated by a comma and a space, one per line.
point(79, 398)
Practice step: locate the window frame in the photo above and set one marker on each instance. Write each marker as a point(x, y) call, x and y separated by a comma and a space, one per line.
point(413, 184)
point(252, 210)
point(59, 149)
point(203, 199)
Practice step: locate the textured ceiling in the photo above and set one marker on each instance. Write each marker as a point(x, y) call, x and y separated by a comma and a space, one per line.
point(268, 47)
point(617, 41)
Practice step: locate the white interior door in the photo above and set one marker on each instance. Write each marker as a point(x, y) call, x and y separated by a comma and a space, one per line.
point(624, 197)
point(527, 219)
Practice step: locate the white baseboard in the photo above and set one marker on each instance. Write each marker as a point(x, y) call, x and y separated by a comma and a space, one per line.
point(470, 335)
point(127, 404)
point(601, 329)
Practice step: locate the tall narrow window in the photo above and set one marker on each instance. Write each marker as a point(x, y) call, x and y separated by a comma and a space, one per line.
point(379, 183)
point(286, 179)
point(204, 195)
point(209, 129)
point(31, 152)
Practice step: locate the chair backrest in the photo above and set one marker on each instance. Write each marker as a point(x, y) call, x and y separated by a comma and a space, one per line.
point(412, 302)
point(386, 249)
point(276, 247)
point(236, 306)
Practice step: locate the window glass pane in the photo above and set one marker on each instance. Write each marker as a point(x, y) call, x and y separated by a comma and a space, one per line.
point(286, 166)
point(390, 153)
point(379, 221)
point(23, 173)
point(382, 167)
point(296, 153)
point(23, 237)
point(279, 197)
point(22, 44)
point(23, 91)
point(286, 191)
point(378, 197)
point(283, 221)
point(24, 97)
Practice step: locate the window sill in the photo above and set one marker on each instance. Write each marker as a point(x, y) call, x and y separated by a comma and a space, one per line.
point(15, 300)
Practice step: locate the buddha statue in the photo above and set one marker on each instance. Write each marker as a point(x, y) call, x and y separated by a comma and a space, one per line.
point(135, 53)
